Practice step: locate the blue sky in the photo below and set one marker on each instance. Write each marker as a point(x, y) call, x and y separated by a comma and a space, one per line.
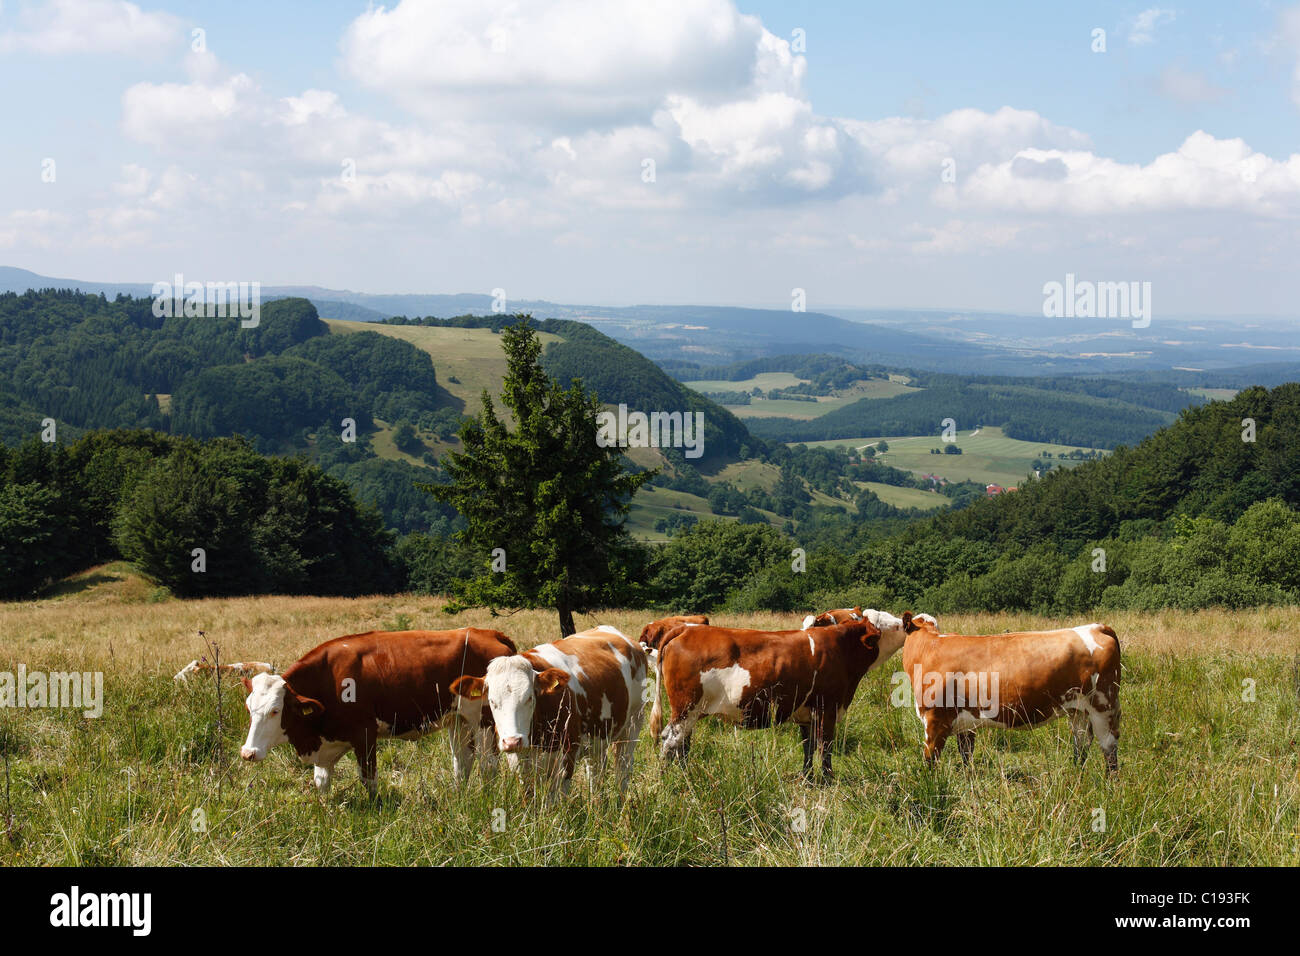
point(499, 144)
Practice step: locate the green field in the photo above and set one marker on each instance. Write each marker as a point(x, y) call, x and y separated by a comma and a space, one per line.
point(988, 457)
point(763, 380)
point(471, 356)
point(382, 440)
point(905, 497)
point(652, 504)
point(790, 408)
point(1205, 777)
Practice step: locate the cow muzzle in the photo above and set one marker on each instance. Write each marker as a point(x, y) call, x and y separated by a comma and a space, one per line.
point(512, 745)
point(250, 753)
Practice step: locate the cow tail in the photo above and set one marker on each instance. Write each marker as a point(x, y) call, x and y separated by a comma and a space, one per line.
point(1107, 629)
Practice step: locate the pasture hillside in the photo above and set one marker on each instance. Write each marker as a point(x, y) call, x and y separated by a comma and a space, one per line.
point(1208, 773)
point(988, 455)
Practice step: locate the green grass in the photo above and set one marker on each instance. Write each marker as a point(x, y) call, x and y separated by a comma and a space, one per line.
point(988, 457)
point(905, 497)
point(1206, 778)
point(652, 504)
point(382, 439)
point(790, 408)
point(471, 356)
point(763, 380)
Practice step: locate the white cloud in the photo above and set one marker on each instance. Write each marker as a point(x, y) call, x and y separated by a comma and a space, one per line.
point(563, 62)
point(1142, 31)
point(1205, 173)
point(90, 26)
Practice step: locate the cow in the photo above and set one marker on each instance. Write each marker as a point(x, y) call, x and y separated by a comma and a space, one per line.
point(554, 702)
point(352, 690)
point(962, 682)
point(762, 678)
point(239, 668)
point(891, 630)
point(655, 634)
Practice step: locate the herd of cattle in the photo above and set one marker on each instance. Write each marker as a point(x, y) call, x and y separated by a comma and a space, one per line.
point(586, 694)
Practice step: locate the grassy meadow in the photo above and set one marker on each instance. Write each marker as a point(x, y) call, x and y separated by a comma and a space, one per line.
point(988, 457)
point(1206, 777)
point(792, 408)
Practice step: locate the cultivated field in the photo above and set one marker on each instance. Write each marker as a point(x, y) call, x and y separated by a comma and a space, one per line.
point(1206, 777)
point(987, 457)
point(792, 408)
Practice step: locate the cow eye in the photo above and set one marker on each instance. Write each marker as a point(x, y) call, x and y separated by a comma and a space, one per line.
point(274, 712)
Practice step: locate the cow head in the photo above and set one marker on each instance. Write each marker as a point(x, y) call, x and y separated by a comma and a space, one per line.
point(515, 693)
point(655, 634)
point(275, 709)
point(827, 618)
point(915, 622)
point(864, 630)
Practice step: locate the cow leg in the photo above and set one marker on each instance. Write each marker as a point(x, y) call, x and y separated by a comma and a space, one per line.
point(598, 763)
point(624, 753)
point(462, 748)
point(966, 746)
point(677, 739)
point(806, 731)
point(937, 729)
point(325, 759)
point(656, 717)
point(824, 726)
point(1105, 727)
point(1081, 731)
point(485, 744)
point(366, 748)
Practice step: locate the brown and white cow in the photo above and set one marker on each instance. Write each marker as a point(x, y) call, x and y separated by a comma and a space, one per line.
point(350, 691)
point(1019, 679)
point(892, 633)
point(761, 678)
point(553, 702)
point(656, 633)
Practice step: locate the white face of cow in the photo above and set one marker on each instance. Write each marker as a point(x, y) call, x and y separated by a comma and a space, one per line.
point(891, 630)
point(512, 697)
point(265, 705)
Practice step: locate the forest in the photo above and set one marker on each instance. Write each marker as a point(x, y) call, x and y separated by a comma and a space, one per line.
point(1189, 513)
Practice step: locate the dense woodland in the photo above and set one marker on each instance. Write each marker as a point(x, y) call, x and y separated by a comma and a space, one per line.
point(1097, 413)
point(1191, 516)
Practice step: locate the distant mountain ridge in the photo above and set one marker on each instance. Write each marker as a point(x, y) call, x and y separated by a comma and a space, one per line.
point(956, 341)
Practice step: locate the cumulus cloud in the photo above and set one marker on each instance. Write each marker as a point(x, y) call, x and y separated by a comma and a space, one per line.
point(564, 62)
point(89, 26)
point(1204, 173)
point(669, 129)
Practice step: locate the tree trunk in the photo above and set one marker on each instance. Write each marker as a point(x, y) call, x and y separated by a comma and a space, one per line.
point(567, 627)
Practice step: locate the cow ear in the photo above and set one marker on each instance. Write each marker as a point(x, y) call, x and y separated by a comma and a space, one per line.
point(469, 687)
point(857, 613)
point(551, 679)
point(307, 706)
point(908, 625)
point(248, 685)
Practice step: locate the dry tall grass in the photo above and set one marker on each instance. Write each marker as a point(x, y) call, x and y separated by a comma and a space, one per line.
point(1208, 757)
